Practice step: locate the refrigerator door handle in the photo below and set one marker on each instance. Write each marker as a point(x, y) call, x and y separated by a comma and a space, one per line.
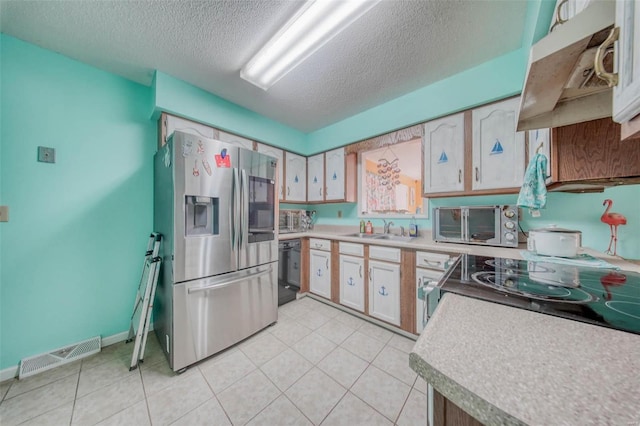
point(228, 283)
point(244, 220)
point(234, 209)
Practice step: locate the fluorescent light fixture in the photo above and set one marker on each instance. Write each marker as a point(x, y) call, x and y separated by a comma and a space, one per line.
point(315, 24)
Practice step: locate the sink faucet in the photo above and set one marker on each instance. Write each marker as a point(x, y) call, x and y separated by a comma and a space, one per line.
point(387, 226)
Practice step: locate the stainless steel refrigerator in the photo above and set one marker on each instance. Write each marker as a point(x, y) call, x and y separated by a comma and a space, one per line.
point(214, 204)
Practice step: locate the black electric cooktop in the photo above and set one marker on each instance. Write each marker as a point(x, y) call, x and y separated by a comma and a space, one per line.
point(604, 297)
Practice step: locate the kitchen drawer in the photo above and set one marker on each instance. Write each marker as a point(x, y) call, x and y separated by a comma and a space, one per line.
point(384, 253)
point(352, 248)
point(425, 259)
point(319, 244)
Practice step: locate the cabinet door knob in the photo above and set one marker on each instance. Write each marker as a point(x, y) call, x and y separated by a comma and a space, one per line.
point(601, 52)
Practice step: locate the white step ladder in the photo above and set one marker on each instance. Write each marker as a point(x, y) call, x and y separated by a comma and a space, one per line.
point(144, 300)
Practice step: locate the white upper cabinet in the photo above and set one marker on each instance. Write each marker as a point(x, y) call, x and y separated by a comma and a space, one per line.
point(335, 177)
point(315, 178)
point(173, 123)
point(279, 154)
point(295, 177)
point(235, 140)
point(498, 150)
point(626, 94)
point(444, 154)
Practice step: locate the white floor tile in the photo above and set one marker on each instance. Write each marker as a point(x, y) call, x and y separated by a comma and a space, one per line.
point(136, 415)
point(363, 346)
point(335, 331)
point(57, 416)
point(315, 394)
point(268, 379)
point(38, 401)
point(402, 343)
point(225, 372)
point(263, 349)
point(185, 394)
point(286, 368)
point(280, 412)
point(107, 401)
point(314, 347)
point(396, 363)
point(383, 392)
point(414, 411)
point(209, 413)
point(243, 400)
point(352, 411)
point(343, 366)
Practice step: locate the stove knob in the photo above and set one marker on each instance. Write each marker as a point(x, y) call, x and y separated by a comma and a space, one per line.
point(509, 236)
point(510, 225)
point(509, 213)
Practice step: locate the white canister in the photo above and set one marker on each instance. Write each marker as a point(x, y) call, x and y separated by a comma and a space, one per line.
point(554, 242)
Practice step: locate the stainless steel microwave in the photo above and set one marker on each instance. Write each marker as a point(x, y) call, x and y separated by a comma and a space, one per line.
point(486, 225)
point(292, 221)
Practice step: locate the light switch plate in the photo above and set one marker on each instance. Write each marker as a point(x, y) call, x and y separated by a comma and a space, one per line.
point(46, 155)
point(4, 213)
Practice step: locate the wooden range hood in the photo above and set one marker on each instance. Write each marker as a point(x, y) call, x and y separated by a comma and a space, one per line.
point(560, 86)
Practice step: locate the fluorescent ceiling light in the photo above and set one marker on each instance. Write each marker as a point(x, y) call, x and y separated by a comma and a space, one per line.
point(307, 31)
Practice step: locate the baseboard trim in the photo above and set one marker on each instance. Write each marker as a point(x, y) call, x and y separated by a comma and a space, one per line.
point(12, 372)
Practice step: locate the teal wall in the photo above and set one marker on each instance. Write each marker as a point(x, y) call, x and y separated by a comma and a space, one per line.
point(73, 249)
point(573, 211)
point(180, 98)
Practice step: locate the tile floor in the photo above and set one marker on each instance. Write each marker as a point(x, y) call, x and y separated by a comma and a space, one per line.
point(317, 365)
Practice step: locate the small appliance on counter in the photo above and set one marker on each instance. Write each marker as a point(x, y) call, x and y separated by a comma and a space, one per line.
point(292, 220)
point(604, 297)
point(554, 241)
point(485, 225)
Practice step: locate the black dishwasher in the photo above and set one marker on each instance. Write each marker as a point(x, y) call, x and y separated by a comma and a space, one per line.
point(288, 270)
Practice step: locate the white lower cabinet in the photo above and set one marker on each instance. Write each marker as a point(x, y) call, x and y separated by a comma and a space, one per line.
point(320, 273)
point(352, 282)
point(384, 291)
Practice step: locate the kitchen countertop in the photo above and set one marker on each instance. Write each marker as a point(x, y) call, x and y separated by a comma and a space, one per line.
point(425, 242)
point(505, 365)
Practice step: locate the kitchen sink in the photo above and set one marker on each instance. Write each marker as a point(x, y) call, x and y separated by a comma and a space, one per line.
point(362, 235)
point(389, 237)
point(394, 237)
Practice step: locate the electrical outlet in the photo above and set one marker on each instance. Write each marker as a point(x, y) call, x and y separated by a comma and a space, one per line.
point(339, 213)
point(4, 213)
point(46, 154)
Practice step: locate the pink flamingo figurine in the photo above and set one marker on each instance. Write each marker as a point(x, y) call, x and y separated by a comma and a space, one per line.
point(613, 220)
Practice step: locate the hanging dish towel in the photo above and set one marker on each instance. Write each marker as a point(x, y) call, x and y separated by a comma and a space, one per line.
point(533, 193)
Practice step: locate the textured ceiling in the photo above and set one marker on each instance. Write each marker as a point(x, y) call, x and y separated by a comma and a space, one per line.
point(397, 47)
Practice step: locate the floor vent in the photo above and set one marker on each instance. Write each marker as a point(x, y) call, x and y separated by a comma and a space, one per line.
point(39, 363)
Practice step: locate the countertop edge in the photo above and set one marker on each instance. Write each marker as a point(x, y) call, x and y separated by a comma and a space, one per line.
point(472, 404)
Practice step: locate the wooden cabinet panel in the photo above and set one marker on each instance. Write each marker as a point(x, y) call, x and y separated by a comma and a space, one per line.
point(593, 151)
point(446, 413)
